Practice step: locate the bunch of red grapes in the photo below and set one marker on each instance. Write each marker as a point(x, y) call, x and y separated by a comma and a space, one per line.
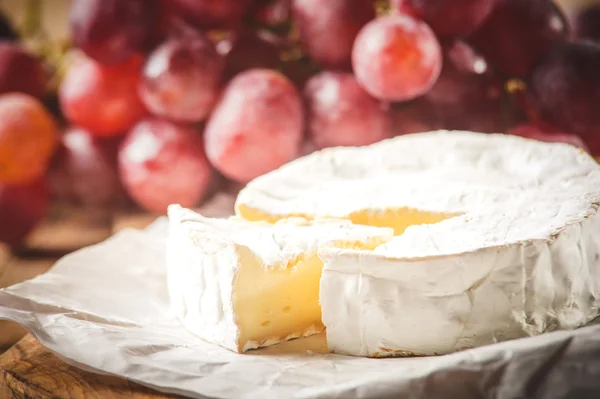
point(166, 96)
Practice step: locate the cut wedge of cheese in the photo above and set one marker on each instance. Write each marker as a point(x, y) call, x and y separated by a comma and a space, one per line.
point(245, 285)
point(497, 237)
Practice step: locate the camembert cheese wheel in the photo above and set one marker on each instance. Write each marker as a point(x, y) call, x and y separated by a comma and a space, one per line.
point(245, 285)
point(497, 237)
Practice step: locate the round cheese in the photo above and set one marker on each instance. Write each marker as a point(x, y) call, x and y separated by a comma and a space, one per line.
point(497, 237)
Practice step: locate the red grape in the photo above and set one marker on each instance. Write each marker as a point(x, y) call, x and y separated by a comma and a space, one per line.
point(274, 14)
point(257, 125)
point(466, 78)
point(85, 170)
point(214, 13)
point(542, 132)
point(467, 95)
point(162, 163)
point(21, 71)
point(102, 99)
point(565, 88)
point(396, 58)
point(22, 207)
point(341, 113)
point(111, 31)
point(587, 23)
point(181, 79)
point(27, 138)
point(518, 32)
point(447, 18)
point(328, 29)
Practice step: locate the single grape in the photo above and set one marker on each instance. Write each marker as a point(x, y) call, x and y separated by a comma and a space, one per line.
point(22, 207)
point(20, 71)
point(341, 113)
point(246, 50)
point(518, 32)
point(396, 58)
point(27, 138)
point(543, 132)
point(257, 125)
point(111, 31)
point(328, 29)
point(447, 18)
point(180, 79)
point(564, 88)
point(102, 99)
point(162, 163)
point(84, 170)
point(587, 23)
point(274, 14)
point(214, 13)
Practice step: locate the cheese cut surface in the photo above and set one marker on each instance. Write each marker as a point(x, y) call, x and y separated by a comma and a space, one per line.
point(497, 237)
point(245, 285)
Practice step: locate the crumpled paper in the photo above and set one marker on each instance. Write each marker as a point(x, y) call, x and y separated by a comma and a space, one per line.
point(105, 309)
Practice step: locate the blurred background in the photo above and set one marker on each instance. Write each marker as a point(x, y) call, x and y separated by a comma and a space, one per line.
point(110, 110)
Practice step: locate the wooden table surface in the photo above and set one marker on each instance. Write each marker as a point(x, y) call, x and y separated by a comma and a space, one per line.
point(29, 370)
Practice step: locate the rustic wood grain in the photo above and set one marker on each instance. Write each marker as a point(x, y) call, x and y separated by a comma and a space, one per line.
point(29, 370)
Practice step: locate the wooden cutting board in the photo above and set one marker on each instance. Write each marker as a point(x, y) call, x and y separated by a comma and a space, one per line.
point(29, 370)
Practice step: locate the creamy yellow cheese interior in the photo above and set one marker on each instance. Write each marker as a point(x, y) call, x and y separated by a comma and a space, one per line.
point(278, 302)
point(398, 219)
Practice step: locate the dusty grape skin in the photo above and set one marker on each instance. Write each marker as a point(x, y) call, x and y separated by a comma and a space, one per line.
point(518, 32)
point(27, 138)
point(328, 29)
point(180, 80)
point(162, 163)
point(84, 171)
point(22, 207)
point(564, 89)
point(447, 18)
point(396, 58)
point(256, 127)
point(542, 132)
point(20, 71)
point(102, 99)
point(341, 113)
point(587, 23)
point(213, 13)
point(111, 31)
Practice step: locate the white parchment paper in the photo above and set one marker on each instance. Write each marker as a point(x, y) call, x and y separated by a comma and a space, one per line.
point(105, 309)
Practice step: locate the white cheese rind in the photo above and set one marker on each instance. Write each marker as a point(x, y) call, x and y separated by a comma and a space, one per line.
point(200, 281)
point(206, 255)
point(524, 257)
point(380, 306)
